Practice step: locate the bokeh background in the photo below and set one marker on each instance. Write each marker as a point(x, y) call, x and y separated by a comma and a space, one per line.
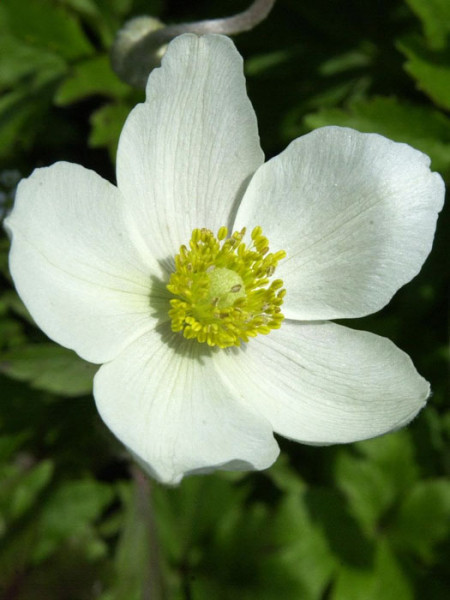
point(78, 521)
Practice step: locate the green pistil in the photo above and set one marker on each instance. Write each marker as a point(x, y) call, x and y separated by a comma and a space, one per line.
point(223, 294)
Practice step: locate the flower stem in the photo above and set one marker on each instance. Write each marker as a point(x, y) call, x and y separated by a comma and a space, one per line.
point(139, 45)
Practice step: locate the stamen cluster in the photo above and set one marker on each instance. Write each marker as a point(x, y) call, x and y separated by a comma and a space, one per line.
point(223, 291)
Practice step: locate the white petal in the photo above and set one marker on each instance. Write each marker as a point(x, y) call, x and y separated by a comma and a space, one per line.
point(356, 214)
point(163, 399)
point(74, 264)
point(186, 154)
point(323, 383)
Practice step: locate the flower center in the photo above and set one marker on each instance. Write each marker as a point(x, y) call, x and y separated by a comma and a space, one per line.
point(222, 288)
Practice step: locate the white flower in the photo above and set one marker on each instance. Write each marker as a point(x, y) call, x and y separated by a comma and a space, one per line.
point(355, 214)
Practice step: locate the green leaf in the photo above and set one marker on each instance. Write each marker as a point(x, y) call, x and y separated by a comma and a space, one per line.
point(137, 559)
point(366, 487)
point(21, 489)
point(430, 69)
point(12, 301)
point(18, 60)
point(424, 128)
point(44, 24)
point(394, 454)
point(70, 512)
point(385, 580)
point(49, 367)
point(435, 17)
point(424, 518)
point(188, 512)
point(11, 333)
point(260, 63)
point(23, 111)
point(376, 480)
point(9, 444)
point(100, 18)
point(93, 76)
point(107, 123)
point(303, 555)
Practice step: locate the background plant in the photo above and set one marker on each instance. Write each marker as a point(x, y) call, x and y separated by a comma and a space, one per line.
point(77, 519)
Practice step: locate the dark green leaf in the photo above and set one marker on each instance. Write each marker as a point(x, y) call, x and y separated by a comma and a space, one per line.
point(69, 513)
point(93, 76)
point(19, 60)
point(424, 128)
point(44, 24)
point(385, 580)
point(435, 17)
point(107, 123)
point(424, 518)
point(430, 69)
point(49, 367)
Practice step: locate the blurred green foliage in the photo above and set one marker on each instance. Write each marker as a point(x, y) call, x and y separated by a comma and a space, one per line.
point(360, 522)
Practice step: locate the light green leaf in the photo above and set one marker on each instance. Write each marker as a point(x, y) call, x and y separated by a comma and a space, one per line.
point(22, 111)
point(424, 518)
point(46, 25)
point(435, 17)
point(12, 301)
point(9, 444)
point(367, 490)
point(138, 558)
point(374, 481)
point(93, 76)
point(70, 512)
point(256, 65)
point(49, 367)
point(424, 128)
point(430, 69)
point(107, 123)
point(394, 454)
point(303, 550)
point(187, 513)
point(385, 579)
point(100, 20)
point(107, 16)
point(21, 489)
point(18, 60)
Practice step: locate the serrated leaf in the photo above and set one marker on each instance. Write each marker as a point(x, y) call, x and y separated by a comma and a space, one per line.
point(394, 453)
point(93, 76)
point(18, 60)
point(189, 511)
point(346, 539)
point(424, 518)
point(70, 512)
point(304, 552)
point(27, 487)
point(435, 17)
point(21, 489)
point(22, 112)
point(424, 128)
point(376, 480)
point(430, 69)
point(366, 487)
point(385, 579)
point(49, 367)
point(46, 25)
point(104, 16)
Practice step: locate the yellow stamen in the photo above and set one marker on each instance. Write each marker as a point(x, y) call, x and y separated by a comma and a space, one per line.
point(222, 291)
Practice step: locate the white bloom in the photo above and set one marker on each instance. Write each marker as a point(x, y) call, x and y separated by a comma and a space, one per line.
point(355, 214)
